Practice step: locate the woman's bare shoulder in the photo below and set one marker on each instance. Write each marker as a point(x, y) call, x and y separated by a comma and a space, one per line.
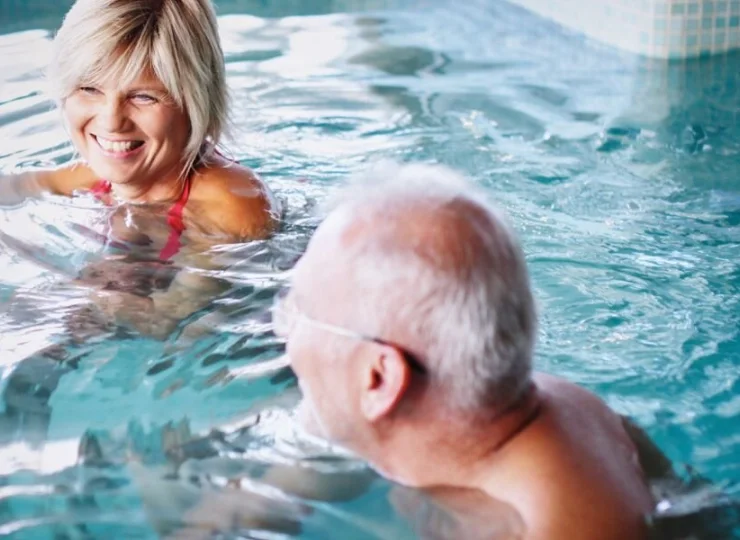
point(232, 200)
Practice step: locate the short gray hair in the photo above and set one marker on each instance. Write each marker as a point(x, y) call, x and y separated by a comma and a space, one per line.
point(461, 300)
point(177, 39)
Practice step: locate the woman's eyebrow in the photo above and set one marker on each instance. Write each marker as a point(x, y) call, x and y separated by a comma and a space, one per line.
point(153, 89)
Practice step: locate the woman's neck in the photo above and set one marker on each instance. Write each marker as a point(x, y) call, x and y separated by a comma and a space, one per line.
point(166, 189)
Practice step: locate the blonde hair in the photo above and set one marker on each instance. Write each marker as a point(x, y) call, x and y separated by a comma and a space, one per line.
point(177, 39)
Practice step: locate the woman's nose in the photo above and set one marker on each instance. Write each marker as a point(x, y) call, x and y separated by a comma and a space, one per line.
point(112, 115)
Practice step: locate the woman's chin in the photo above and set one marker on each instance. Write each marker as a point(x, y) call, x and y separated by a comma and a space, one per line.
point(114, 175)
point(114, 170)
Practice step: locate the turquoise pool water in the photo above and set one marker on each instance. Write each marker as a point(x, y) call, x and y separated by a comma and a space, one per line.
point(622, 176)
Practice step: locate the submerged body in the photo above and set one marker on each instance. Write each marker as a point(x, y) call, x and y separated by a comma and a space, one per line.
point(151, 273)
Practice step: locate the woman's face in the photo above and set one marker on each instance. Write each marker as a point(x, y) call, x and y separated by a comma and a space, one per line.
point(130, 135)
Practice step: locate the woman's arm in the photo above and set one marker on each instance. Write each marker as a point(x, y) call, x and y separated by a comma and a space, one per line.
point(16, 188)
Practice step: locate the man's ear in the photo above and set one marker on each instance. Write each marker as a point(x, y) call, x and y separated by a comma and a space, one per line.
point(385, 381)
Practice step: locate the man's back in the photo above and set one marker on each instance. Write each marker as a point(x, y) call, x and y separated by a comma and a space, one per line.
point(573, 472)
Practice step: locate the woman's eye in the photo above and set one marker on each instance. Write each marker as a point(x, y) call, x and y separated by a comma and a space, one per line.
point(144, 99)
point(88, 90)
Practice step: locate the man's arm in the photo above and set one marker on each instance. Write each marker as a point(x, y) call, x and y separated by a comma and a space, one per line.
point(653, 461)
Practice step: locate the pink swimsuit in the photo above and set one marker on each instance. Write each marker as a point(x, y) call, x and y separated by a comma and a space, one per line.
point(174, 216)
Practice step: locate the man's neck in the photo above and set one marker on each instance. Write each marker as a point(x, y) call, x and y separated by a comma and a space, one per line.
point(457, 453)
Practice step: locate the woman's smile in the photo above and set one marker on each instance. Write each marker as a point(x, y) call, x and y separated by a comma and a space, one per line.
point(118, 148)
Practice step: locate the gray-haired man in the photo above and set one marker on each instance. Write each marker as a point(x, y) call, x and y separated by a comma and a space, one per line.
point(410, 324)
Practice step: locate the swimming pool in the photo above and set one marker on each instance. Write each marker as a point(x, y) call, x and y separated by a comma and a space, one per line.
point(622, 176)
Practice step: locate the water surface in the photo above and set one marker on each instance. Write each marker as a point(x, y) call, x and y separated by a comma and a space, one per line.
point(621, 175)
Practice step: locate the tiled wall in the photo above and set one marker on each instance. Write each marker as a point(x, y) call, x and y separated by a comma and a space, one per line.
point(656, 28)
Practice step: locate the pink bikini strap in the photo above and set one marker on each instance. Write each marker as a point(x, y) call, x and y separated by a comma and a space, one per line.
point(174, 215)
point(172, 246)
point(177, 226)
point(101, 187)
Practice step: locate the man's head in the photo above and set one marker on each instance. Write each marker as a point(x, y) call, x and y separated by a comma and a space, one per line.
point(411, 266)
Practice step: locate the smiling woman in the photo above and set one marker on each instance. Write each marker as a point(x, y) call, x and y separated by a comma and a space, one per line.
point(142, 92)
point(141, 88)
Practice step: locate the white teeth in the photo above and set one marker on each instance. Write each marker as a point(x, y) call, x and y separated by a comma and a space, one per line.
point(118, 147)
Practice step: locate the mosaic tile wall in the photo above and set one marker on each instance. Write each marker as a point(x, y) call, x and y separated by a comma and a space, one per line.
point(655, 28)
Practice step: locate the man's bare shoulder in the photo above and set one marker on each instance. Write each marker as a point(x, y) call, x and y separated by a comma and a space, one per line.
point(564, 389)
point(573, 472)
